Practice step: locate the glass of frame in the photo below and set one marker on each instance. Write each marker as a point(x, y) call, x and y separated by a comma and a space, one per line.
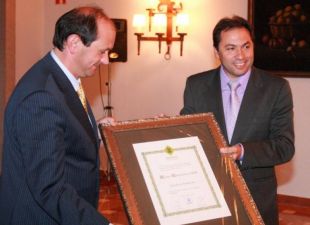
point(120, 140)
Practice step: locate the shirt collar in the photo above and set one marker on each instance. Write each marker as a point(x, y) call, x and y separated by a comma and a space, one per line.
point(75, 82)
point(243, 80)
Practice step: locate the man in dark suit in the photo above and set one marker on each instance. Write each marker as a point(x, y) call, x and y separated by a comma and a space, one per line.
point(256, 116)
point(50, 162)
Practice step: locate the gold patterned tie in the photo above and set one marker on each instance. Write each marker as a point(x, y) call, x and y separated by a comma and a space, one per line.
point(81, 94)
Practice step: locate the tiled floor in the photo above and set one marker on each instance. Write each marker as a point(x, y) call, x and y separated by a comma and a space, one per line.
point(110, 205)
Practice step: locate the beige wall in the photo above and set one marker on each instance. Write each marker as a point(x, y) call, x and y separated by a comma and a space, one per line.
point(2, 80)
point(7, 58)
point(147, 85)
point(30, 19)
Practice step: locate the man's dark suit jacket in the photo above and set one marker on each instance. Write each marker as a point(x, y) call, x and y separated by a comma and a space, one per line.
point(50, 169)
point(264, 127)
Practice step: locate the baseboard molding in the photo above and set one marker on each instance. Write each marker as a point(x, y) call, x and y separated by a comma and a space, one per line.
point(286, 199)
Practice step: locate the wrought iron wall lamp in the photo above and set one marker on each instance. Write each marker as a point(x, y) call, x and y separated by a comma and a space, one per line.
point(161, 20)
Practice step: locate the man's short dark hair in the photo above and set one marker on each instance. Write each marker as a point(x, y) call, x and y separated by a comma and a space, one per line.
point(81, 21)
point(226, 24)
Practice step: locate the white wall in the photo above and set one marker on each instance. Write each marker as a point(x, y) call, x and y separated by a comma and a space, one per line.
point(147, 85)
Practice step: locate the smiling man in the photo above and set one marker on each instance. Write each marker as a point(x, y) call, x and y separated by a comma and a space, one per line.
point(253, 109)
point(50, 172)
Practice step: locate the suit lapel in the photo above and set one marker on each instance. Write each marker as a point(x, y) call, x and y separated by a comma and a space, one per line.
point(214, 102)
point(72, 99)
point(248, 107)
point(94, 123)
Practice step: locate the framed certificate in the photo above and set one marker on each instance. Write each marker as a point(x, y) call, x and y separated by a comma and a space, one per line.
point(170, 172)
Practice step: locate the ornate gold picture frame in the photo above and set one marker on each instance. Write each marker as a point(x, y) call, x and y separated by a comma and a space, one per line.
point(119, 140)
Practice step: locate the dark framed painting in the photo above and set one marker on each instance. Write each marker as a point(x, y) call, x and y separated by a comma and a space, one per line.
point(282, 36)
point(157, 166)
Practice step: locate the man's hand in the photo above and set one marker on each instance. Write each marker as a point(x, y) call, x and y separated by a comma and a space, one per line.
point(235, 151)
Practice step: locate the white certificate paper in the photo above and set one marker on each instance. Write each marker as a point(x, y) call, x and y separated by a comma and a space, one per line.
point(180, 181)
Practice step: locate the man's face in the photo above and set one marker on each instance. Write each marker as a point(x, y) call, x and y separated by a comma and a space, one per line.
point(235, 51)
point(89, 58)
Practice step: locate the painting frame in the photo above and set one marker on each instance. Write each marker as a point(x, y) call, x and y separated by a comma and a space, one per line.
point(119, 139)
point(273, 43)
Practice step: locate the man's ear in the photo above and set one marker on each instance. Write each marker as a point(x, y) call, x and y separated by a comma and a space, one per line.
point(216, 53)
point(73, 42)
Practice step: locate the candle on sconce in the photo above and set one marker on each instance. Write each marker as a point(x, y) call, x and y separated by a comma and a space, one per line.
point(139, 22)
point(182, 21)
point(160, 23)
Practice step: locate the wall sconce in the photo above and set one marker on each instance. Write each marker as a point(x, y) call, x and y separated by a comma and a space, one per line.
point(161, 20)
